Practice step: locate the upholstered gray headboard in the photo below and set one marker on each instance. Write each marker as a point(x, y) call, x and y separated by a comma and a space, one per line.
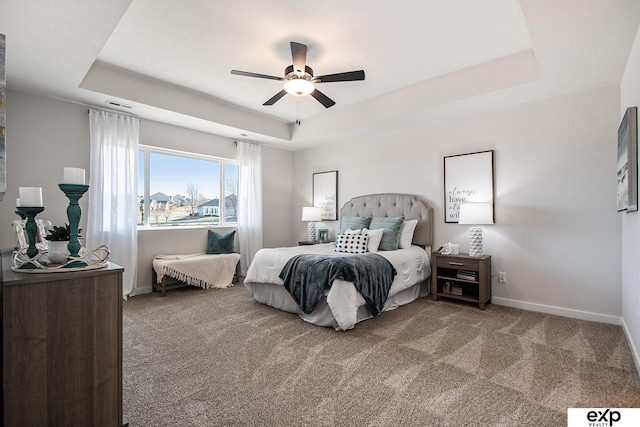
point(391, 204)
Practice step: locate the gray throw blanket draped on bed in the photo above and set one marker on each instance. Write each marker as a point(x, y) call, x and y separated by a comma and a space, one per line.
point(308, 277)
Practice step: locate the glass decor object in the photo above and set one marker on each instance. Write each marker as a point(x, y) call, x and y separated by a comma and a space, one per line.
point(31, 229)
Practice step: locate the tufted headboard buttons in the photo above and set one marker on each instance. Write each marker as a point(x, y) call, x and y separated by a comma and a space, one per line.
point(392, 204)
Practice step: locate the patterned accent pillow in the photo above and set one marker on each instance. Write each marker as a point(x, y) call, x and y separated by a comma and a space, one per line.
point(350, 231)
point(352, 243)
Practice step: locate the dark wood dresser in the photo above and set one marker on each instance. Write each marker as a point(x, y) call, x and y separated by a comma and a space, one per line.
point(62, 347)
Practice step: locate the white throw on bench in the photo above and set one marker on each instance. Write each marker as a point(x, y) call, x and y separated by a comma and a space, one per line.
point(199, 269)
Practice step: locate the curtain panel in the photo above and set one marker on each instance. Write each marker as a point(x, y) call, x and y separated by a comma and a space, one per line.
point(249, 203)
point(113, 195)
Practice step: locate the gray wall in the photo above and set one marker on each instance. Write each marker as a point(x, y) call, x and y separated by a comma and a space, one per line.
point(557, 232)
point(630, 253)
point(45, 135)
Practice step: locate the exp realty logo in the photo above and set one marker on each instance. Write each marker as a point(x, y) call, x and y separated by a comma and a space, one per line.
point(603, 417)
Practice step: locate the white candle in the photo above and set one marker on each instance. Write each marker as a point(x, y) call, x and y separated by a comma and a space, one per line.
point(17, 203)
point(30, 196)
point(73, 176)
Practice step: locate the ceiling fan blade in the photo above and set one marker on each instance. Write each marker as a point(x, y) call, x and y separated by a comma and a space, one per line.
point(323, 99)
point(261, 76)
point(299, 55)
point(348, 76)
point(276, 97)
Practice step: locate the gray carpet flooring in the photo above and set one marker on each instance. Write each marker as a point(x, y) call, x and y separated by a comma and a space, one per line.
point(215, 358)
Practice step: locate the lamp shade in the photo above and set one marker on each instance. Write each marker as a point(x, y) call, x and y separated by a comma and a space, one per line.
point(311, 213)
point(476, 213)
point(299, 87)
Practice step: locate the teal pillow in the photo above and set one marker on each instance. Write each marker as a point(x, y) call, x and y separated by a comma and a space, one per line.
point(220, 244)
point(391, 233)
point(354, 223)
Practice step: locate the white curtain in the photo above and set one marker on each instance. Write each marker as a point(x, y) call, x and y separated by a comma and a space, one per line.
point(113, 192)
point(249, 203)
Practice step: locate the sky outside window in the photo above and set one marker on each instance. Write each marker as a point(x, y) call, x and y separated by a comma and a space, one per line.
point(170, 174)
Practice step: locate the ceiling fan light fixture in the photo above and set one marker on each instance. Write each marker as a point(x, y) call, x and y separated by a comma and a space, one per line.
point(299, 83)
point(299, 87)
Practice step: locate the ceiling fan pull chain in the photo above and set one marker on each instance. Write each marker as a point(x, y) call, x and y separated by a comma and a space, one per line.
point(298, 113)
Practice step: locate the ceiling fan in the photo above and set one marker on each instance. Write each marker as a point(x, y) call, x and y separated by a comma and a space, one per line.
point(299, 79)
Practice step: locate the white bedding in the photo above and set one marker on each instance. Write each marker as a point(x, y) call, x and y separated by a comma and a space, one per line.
point(343, 300)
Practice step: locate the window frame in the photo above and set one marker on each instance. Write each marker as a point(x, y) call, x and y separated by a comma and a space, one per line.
point(146, 193)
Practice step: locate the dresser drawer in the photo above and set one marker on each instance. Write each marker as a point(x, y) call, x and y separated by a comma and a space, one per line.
point(459, 263)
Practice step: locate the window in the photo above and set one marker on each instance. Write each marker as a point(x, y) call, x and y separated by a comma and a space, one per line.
point(177, 188)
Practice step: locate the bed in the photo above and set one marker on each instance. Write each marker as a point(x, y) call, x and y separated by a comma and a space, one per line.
point(343, 306)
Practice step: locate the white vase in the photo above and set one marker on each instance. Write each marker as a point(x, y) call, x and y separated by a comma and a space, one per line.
point(58, 252)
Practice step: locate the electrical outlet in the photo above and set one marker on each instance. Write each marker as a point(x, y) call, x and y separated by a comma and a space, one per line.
point(502, 277)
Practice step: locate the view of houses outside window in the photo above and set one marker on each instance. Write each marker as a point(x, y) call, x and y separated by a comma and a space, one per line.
point(185, 189)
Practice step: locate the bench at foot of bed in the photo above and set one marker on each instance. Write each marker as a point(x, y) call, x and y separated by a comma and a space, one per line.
point(202, 270)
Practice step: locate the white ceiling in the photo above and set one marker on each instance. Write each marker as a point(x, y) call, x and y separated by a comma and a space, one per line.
point(424, 60)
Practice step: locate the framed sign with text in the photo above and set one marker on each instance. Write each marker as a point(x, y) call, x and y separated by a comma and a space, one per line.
point(468, 178)
point(325, 194)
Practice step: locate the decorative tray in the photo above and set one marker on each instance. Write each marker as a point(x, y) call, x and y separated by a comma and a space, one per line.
point(93, 259)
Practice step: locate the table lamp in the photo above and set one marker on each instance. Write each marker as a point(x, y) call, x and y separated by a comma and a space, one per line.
point(311, 215)
point(475, 214)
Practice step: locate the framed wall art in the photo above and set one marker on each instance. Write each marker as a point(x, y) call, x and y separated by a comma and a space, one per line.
point(628, 161)
point(3, 107)
point(468, 178)
point(325, 194)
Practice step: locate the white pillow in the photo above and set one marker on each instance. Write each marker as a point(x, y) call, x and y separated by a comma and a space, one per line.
point(406, 233)
point(351, 231)
point(352, 243)
point(375, 236)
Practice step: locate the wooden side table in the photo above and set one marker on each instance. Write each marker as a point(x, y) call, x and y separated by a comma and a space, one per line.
point(461, 277)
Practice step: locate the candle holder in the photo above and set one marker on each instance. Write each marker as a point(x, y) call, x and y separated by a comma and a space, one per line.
point(74, 192)
point(30, 229)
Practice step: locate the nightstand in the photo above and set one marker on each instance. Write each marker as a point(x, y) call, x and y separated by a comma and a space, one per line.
point(461, 277)
point(306, 243)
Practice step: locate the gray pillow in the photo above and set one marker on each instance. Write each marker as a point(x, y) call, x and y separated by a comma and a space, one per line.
point(391, 233)
point(354, 223)
point(220, 244)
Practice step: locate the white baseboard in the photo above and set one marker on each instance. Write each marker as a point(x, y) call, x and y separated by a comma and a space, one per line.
point(144, 290)
point(560, 311)
point(634, 350)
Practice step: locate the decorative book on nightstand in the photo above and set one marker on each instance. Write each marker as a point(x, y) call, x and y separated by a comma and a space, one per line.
point(461, 277)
